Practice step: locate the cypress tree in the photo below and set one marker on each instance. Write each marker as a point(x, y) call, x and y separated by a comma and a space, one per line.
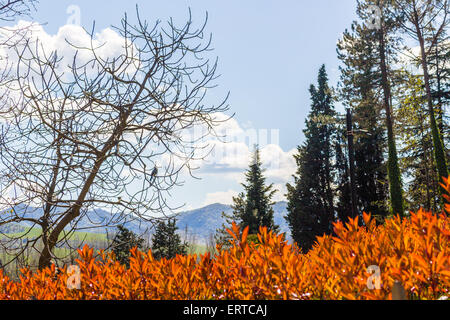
point(311, 208)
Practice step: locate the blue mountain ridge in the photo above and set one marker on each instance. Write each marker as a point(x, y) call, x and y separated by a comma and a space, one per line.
point(199, 223)
point(205, 221)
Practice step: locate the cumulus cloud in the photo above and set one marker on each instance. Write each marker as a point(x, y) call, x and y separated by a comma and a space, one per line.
point(233, 142)
point(68, 43)
point(229, 160)
point(280, 195)
point(280, 165)
point(223, 197)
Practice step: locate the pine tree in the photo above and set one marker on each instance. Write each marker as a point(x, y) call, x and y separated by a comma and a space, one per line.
point(166, 243)
point(254, 207)
point(257, 211)
point(423, 21)
point(311, 208)
point(123, 242)
point(417, 142)
point(360, 81)
point(438, 61)
point(387, 44)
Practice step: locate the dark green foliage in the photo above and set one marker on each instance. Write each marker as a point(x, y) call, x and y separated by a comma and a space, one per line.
point(384, 44)
point(417, 147)
point(365, 53)
point(222, 237)
point(343, 190)
point(253, 207)
point(166, 243)
point(438, 61)
point(424, 23)
point(311, 208)
point(123, 242)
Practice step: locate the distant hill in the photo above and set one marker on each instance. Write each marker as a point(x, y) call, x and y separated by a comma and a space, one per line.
point(88, 223)
point(204, 221)
point(200, 222)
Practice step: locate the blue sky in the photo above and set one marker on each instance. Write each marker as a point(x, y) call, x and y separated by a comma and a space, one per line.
point(269, 53)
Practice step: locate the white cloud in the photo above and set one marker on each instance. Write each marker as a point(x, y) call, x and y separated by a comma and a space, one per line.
point(232, 150)
point(67, 42)
point(223, 197)
point(281, 192)
point(230, 160)
point(280, 164)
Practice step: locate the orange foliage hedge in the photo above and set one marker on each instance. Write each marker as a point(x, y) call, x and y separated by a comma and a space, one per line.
point(413, 250)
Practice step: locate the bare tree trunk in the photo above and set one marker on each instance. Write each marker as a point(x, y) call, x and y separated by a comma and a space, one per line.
point(69, 140)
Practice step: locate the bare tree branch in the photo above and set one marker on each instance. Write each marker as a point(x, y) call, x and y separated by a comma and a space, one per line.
point(105, 132)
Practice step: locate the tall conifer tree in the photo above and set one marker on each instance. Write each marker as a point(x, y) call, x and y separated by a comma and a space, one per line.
point(253, 207)
point(311, 209)
point(360, 81)
point(426, 22)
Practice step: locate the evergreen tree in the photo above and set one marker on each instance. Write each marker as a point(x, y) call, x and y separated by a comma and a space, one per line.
point(417, 142)
point(423, 21)
point(438, 62)
point(123, 242)
point(255, 207)
point(311, 208)
point(166, 243)
point(386, 42)
point(360, 81)
point(343, 190)
point(252, 208)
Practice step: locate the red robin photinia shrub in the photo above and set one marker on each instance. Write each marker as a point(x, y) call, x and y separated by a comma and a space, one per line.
point(414, 251)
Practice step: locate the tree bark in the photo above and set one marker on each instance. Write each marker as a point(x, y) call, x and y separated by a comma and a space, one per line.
point(395, 185)
point(439, 153)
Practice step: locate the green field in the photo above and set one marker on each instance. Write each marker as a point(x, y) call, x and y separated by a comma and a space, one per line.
point(31, 233)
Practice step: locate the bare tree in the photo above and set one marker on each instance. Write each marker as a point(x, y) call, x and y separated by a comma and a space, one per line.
point(11, 9)
point(104, 132)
